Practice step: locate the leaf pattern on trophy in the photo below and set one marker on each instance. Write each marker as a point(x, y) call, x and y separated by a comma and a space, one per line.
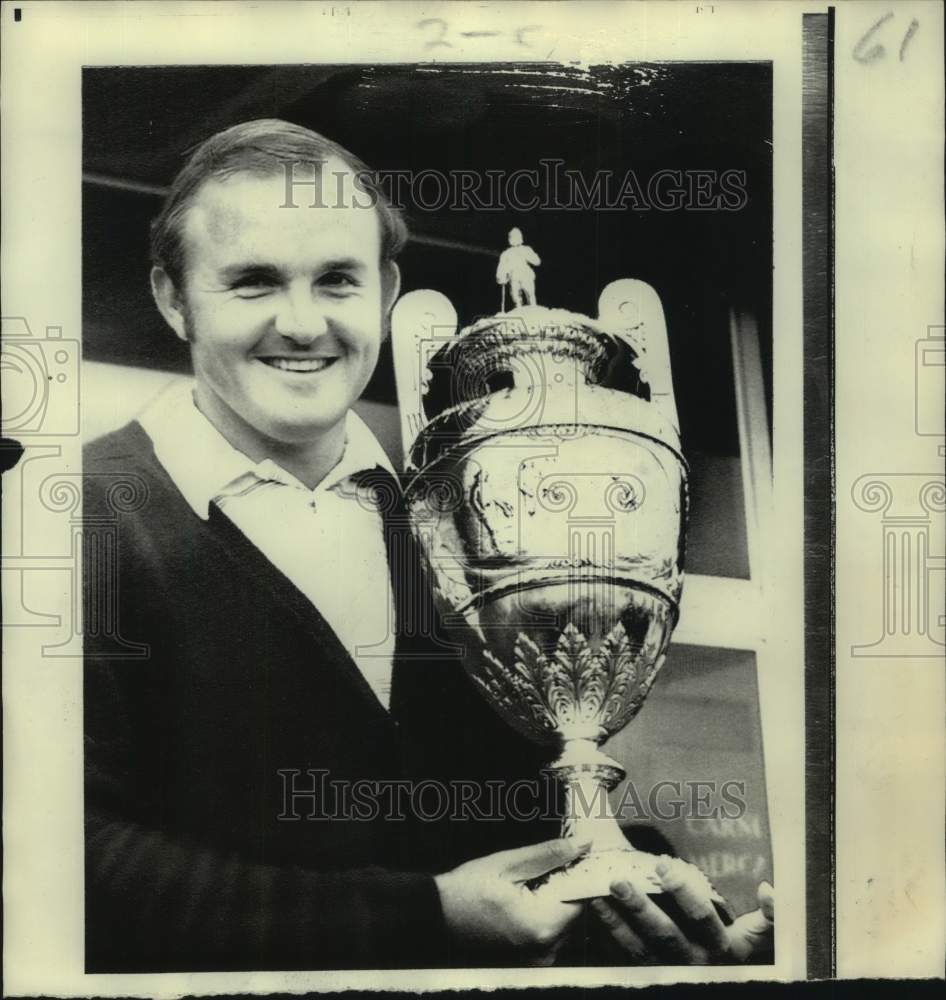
point(561, 700)
point(591, 681)
point(572, 658)
point(627, 707)
point(650, 650)
point(591, 691)
point(544, 678)
point(572, 652)
point(621, 660)
point(531, 665)
point(512, 691)
point(576, 687)
point(562, 673)
point(530, 660)
point(491, 681)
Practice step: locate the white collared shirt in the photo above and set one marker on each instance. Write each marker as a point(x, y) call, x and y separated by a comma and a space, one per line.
point(330, 545)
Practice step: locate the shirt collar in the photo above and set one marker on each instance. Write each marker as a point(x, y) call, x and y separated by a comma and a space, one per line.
point(205, 466)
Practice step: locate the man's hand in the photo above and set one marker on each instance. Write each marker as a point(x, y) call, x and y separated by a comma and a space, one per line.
point(648, 935)
point(487, 907)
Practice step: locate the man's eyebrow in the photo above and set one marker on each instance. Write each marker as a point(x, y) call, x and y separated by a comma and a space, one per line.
point(245, 268)
point(343, 264)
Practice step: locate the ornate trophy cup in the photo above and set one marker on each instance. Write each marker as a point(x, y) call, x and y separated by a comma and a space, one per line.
point(545, 485)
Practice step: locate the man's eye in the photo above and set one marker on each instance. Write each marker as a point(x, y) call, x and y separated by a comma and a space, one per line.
point(338, 280)
point(252, 288)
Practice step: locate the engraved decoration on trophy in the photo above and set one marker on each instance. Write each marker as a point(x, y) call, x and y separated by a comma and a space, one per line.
point(547, 489)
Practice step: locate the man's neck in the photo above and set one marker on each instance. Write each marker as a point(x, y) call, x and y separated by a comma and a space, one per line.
point(310, 461)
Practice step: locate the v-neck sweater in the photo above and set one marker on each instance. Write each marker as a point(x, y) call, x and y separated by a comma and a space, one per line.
point(213, 689)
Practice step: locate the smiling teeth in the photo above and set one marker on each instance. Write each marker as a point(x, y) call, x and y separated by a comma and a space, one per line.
point(299, 364)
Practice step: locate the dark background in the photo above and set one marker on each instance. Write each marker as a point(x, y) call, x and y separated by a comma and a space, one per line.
point(138, 124)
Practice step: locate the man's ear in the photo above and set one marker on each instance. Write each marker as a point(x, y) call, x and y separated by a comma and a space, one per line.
point(168, 301)
point(390, 286)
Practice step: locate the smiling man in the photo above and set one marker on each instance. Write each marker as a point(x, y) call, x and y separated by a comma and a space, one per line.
point(263, 639)
point(283, 308)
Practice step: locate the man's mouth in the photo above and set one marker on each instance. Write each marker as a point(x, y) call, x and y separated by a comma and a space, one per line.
point(303, 365)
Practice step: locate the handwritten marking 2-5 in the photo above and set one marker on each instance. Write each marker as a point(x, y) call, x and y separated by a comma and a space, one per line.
point(438, 28)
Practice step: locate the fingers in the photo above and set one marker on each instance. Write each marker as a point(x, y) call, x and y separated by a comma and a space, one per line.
point(548, 921)
point(645, 932)
point(547, 957)
point(547, 912)
point(525, 863)
point(703, 922)
point(766, 895)
point(660, 935)
point(750, 935)
point(753, 933)
point(618, 928)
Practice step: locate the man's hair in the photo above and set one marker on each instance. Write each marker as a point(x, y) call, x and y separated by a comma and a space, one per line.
point(263, 147)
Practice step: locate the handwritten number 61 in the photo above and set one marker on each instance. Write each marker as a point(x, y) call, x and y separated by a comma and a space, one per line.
point(864, 55)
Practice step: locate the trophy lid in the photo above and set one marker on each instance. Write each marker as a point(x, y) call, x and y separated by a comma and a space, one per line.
point(530, 367)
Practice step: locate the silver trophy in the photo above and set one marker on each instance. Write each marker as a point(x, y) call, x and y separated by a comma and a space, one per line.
point(547, 490)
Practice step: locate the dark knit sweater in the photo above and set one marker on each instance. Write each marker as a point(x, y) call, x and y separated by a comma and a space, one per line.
point(206, 674)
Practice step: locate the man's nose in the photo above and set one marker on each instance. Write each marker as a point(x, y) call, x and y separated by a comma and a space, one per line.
point(301, 316)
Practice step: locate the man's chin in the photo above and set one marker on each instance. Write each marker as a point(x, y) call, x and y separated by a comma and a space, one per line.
point(301, 433)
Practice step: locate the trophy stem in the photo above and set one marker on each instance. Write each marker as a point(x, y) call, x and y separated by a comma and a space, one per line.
point(588, 775)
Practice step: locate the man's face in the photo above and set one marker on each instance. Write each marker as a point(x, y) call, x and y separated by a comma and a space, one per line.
point(283, 306)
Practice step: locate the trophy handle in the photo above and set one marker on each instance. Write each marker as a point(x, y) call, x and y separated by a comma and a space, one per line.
point(632, 309)
point(420, 323)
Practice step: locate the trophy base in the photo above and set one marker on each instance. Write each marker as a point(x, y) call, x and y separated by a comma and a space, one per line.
point(592, 875)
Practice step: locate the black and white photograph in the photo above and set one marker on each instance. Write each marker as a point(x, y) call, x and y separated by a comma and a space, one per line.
point(324, 730)
point(427, 501)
